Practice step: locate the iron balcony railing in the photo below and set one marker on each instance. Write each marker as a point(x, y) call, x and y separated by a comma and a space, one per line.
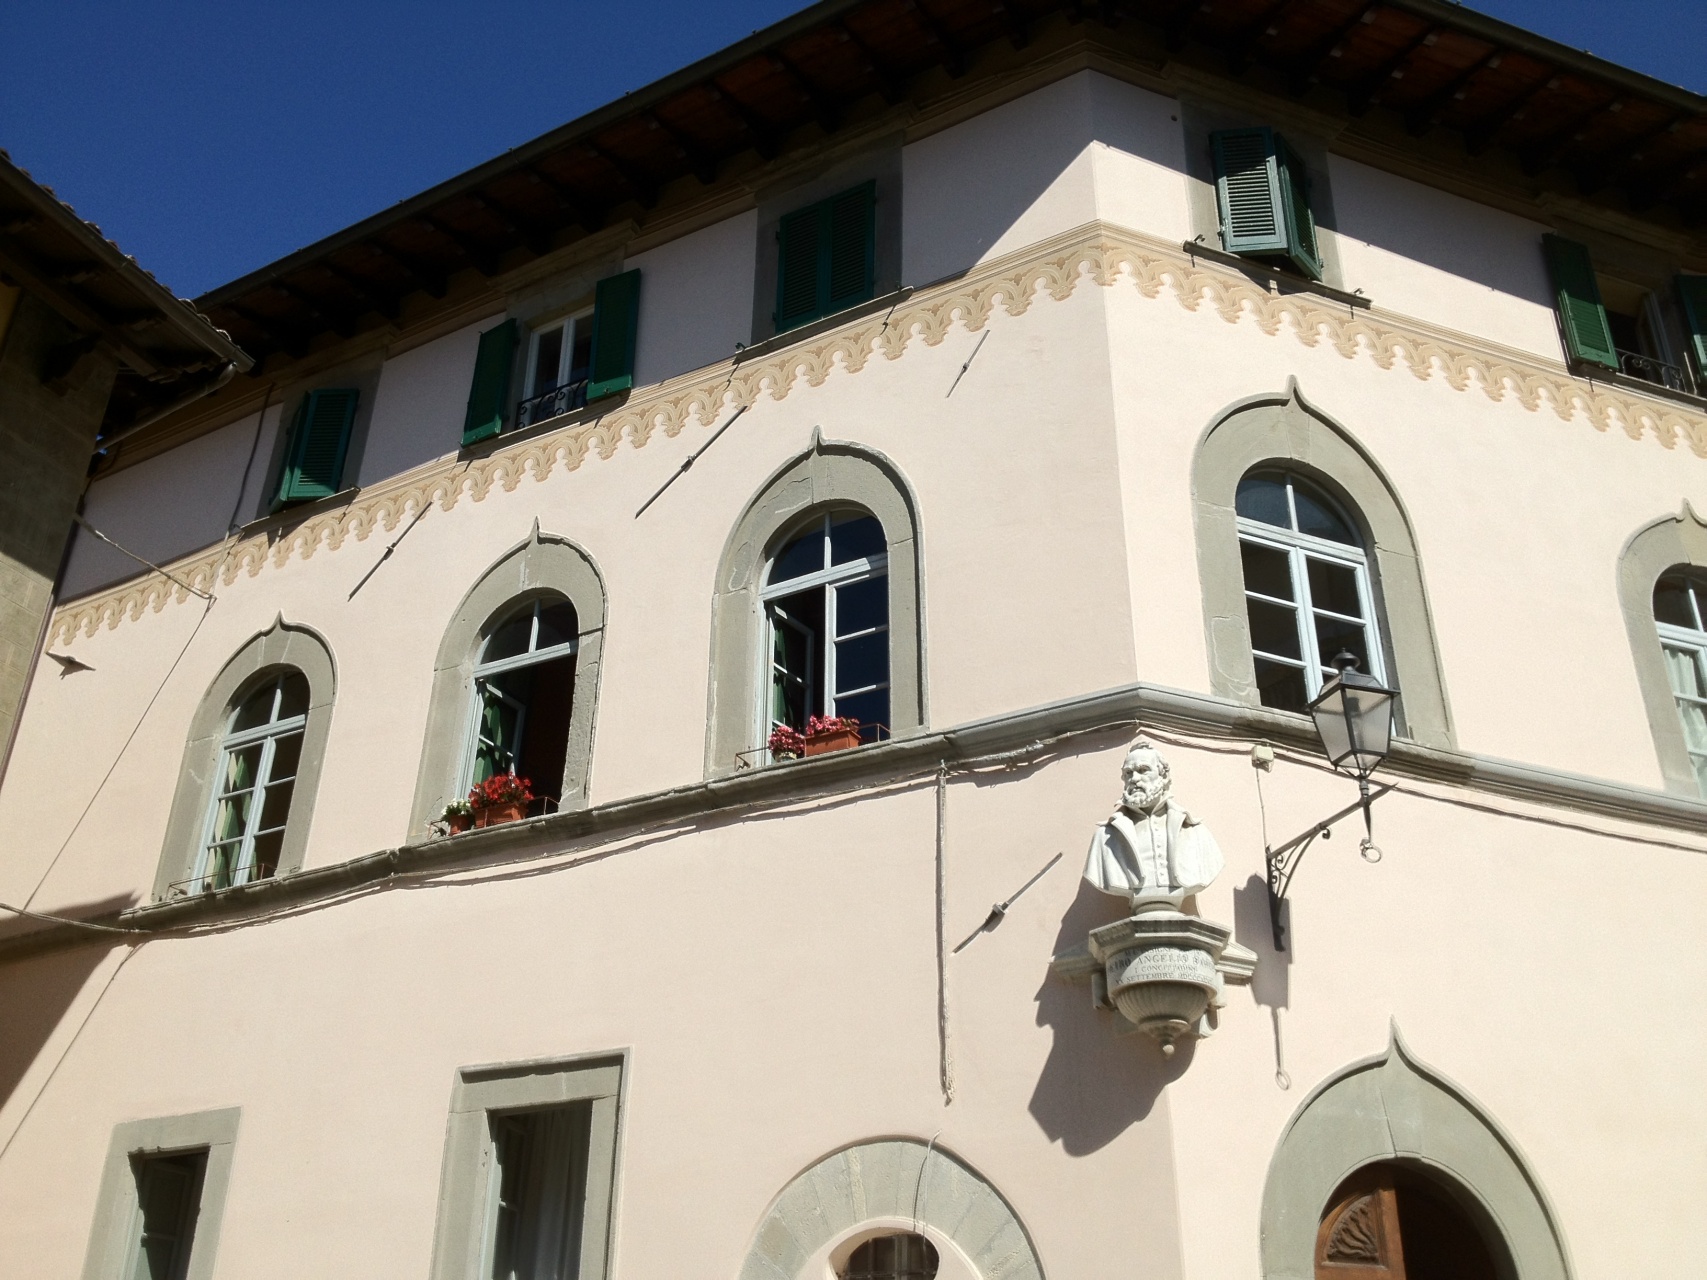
point(570, 396)
point(1670, 376)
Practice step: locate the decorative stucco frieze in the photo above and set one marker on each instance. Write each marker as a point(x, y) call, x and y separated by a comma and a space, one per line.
point(1100, 253)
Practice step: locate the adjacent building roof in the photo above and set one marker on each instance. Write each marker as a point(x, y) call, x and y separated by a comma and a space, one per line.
point(1622, 137)
point(166, 347)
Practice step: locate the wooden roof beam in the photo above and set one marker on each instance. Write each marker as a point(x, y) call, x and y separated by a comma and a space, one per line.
point(1019, 30)
point(1540, 156)
point(954, 53)
point(1241, 52)
point(277, 334)
point(1305, 65)
point(1176, 24)
point(766, 137)
point(828, 114)
point(890, 84)
point(1481, 135)
point(430, 280)
point(703, 163)
point(483, 257)
point(1362, 95)
point(1426, 114)
point(644, 186)
point(385, 304)
point(588, 217)
point(342, 325)
point(41, 280)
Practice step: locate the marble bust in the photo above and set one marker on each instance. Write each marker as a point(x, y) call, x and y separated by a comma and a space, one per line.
point(1151, 848)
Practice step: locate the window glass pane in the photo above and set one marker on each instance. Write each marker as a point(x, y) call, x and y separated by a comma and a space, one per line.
point(221, 866)
point(275, 806)
point(1281, 686)
point(548, 354)
point(266, 861)
point(793, 648)
point(871, 710)
point(581, 356)
point(1694, 718)
point(511, 637)
point(1274, 629)
point(1671, 601)
point(1332, 635)
point(862, 605)
point(167, 1188)
point(240, 768)
point(855, 537)
point(541, 1179)
point(1317, 516)
point(1334, 587)
point(863, 662)
point(232, 815)
point(1268, 571)
point(256, 710)
point(293, 696)
point(1684, 670)
point(556, 624)
point(1263, 497)
point(287, 751)
point(802, 556)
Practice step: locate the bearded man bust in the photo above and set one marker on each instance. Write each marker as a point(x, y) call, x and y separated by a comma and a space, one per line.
point(1151, 848)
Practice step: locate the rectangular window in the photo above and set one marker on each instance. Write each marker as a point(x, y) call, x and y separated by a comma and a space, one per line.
point(1613, 323)
point(530, 1160)
point(1262, 189)
point(168, 1195)
point(826, 257)
point(560, 364)
point(319, 440)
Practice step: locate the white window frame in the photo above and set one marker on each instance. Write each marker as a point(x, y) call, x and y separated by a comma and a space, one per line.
point(1693, 641)
point(571, 326)
point(1299, 549)
point(484, 671)
point(835, 577)
point(267, 735)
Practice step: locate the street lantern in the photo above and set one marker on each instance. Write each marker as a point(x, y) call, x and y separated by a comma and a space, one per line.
point(1354, 717)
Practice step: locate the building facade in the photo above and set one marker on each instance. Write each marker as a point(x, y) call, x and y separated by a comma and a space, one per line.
point(1049, 386)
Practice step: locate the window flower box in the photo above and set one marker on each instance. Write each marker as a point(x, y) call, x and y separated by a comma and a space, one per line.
point(501, 798)
point(831, 733)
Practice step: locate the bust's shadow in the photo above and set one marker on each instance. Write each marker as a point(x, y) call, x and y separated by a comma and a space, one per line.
point(1095, 1083)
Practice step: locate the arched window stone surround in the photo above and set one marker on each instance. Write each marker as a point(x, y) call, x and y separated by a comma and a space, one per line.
point(827, 474)
point(1393, 1108)
point(901, 1180)
point(280, 646)
point(543, 564)
point(1665, 544)
point(1285, 431)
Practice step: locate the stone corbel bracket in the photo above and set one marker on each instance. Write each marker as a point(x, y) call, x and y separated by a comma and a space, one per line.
point(1165, 933)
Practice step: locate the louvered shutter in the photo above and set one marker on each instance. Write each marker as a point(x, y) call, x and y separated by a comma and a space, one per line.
point(1692, 293)
point(320, 436)
point(1300, 222)
point(850, 226)
point(616, 323)
point(1588, 337)
point(1248, 189)
point(489, 393)
point(799, 240)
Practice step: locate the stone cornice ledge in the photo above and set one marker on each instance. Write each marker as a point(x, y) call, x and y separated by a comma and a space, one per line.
point(1017, 736)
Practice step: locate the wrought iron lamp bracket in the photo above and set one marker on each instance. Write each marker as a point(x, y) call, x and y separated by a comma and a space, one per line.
point(1283, 860)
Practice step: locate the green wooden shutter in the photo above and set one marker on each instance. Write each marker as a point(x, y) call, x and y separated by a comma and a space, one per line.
point(826, 257)
point(850, 230)
point(1588, 337)
point(616, 323)
point(798, 273)
point(320, 436)
point(1295, 205)
point(1692, 293)
point(1248, 190)
point(489, 394)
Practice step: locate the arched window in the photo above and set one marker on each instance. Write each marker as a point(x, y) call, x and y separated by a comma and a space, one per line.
point(246, 790)
point(1388, 1222)
point(524, 698)
point(1307, 587)
point(516, 681)
point(1680, 615)
point(817, 606)
point(899, 1257)
point(826, 603)
point(258, 760)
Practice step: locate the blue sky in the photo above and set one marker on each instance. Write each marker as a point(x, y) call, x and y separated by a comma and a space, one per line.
point(210, 138)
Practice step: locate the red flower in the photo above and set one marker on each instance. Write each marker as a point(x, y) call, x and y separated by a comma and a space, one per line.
point(500, 789)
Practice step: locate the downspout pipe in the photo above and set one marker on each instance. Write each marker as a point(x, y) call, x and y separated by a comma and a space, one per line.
point(224, 376)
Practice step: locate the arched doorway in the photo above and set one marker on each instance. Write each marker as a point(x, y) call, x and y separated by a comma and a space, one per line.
point(1388, 1222)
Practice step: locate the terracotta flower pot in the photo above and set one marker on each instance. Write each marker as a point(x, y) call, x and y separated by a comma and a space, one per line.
point(835, 740)
point(459, 822)
point(493, 815)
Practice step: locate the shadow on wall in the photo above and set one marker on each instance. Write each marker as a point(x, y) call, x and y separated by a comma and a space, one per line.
point(1095, 1084)
point(36, 994)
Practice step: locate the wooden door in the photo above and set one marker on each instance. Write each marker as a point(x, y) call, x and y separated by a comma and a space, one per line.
point(1359, 1237)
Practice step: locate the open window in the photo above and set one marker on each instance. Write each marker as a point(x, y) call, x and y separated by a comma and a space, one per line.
point(524, 698)
point(897, 1257)
point(1308, 595)
point(569, 362)
point(1680, 616)
point(826, 606)
point(1636, 328)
